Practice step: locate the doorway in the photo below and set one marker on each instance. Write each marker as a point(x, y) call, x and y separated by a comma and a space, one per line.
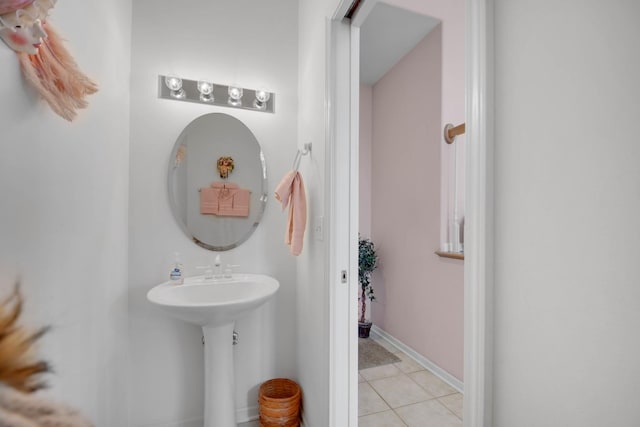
point(342, 92)
point(411, 84)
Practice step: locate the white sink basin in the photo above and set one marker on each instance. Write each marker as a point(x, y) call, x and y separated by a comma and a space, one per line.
point(215, 305)
point(213, 302)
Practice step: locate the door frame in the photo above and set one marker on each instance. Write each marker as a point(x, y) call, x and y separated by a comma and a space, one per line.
point(342, 166)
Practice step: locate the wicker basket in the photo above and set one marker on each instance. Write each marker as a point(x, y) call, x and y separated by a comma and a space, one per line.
point(279, 401)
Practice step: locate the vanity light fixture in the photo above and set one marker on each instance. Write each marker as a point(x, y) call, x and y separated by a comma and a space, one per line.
point(262, 96)
point(235, 96)
point(205, 91)
point(175, 86)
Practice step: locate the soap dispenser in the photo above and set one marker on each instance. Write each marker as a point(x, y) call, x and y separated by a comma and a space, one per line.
point(177, 271)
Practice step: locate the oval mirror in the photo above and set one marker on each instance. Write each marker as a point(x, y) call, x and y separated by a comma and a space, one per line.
point(217, 181)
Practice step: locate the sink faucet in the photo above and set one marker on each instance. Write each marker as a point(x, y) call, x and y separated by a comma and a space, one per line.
point(217, 264)
point(213, 270)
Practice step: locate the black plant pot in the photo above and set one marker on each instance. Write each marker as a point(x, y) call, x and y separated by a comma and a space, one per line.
point(363, 329)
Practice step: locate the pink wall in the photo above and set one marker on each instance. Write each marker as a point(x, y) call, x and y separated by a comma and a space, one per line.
point(451, 13)
point(366, 93)
point(419, 295)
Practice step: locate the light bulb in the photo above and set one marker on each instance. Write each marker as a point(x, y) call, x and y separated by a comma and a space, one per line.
point(235, 96)
point(206, 90)
point(262, 96)
point(175, 86)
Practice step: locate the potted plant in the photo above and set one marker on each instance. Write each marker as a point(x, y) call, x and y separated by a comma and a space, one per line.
point(367, 262)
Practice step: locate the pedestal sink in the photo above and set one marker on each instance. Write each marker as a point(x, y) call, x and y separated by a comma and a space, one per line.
point(215, 304)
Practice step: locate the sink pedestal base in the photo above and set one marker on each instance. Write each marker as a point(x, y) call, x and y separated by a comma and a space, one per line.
point(215, 305)
point(220, 388)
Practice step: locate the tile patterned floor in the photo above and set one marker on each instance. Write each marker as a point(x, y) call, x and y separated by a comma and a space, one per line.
point(405, 394)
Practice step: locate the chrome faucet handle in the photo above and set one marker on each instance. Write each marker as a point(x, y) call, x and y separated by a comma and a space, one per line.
point(208, 271)
point(228, 272)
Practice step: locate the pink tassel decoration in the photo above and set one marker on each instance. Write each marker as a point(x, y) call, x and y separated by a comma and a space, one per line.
point(56, 76)
point(7, 6)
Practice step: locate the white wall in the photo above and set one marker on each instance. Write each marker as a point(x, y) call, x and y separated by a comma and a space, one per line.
point(63, 222)
point(567, 300)
point(313, 285)
point(201, 39)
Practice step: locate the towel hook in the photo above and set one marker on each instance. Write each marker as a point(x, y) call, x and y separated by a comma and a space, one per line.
point(451, 131)
point(306, 150)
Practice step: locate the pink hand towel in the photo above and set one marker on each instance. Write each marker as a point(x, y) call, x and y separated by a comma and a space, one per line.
point(234, 202)
point(223, 185)
point(291, 192)
point(225, 199)
point(241, 202)
point(209, 201)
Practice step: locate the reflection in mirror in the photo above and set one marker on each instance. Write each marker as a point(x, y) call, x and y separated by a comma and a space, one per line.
point(217, 181)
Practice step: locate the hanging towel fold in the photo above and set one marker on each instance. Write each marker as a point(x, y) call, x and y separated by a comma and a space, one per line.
point(291, 192)
point(209, 200)
point(233, 200)
point(240, 205)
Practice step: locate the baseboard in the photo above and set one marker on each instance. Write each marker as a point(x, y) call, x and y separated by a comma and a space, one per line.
point(193, 422)
point(420, 359)
point(244, 415)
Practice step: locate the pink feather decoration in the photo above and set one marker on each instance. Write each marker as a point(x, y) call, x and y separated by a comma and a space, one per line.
point(7, 6)
point(56, 76)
